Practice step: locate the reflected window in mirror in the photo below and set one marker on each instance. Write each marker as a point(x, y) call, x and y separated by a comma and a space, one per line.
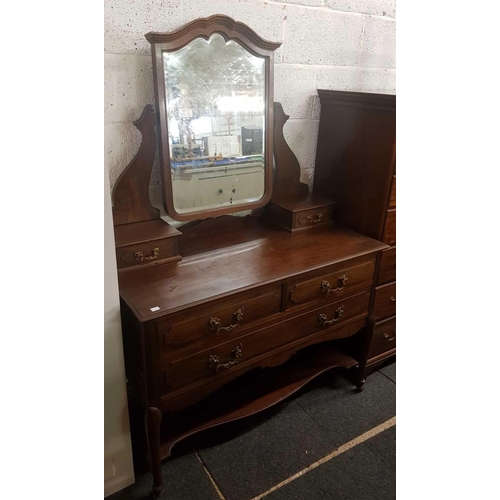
point(216, 121)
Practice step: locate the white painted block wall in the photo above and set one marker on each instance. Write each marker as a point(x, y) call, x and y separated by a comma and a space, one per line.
point(328, 44)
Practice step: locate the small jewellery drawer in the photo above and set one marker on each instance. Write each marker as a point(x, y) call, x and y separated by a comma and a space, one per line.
point(387, 270)
point(385, 301)
point(384, 337)
point(218, 318)
point(145, 243)
point(327, 284)
point(389, 236)
point(142, 253)
point(312, 217)
point(214, 361)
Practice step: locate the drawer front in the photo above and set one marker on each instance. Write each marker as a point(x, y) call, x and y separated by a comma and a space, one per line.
point(146, 252)
point(387, 271)
point(218, 318)
point(384, 337)
point(389, 236)
point(392, 196)
point(385, 301)
point(327, 284)
point(215, 361)
point(313, 217)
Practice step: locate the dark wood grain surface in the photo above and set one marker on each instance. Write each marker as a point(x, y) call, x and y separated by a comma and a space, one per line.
point(384, 337)
point(222, 263)
point(356, 166)
point(385, 301)
point(142, 232)
point(389, 236)
point(356, 156)
point(131, 191)
point(286, 182)
point(387, 271)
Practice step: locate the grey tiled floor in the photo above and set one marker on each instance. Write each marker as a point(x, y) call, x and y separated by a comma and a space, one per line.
point(248, 457)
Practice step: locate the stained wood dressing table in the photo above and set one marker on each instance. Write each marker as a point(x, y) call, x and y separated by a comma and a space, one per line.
point(227, 316)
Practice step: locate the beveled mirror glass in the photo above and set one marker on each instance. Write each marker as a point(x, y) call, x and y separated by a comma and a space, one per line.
point(215, 101)
point(213, 85)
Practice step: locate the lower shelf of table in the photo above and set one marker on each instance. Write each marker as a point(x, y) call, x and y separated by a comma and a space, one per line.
point(251, 393)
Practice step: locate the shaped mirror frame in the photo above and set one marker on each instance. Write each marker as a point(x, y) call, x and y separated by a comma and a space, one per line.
point(176, 40)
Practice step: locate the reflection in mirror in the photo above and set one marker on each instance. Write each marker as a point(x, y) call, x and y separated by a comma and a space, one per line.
point(216, 113)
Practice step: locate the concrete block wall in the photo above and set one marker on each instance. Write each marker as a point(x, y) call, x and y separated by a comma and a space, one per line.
point(328, 44)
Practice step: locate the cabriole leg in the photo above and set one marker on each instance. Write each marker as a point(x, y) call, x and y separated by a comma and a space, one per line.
point(366, 340)
point(153, 422)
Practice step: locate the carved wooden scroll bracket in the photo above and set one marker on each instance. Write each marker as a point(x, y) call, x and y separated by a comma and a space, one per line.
point(287, 175)
point(131, 192)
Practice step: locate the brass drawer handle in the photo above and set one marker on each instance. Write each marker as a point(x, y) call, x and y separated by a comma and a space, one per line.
point(215, 322)
point(325, 285)
point(310, 219)
point(393, 299)
point(387, 335)
point(140, 257)
point(214, 360)
point(338, 313)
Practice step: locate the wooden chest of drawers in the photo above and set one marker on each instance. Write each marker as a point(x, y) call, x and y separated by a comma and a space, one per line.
point(356, 167)
point(384, 306)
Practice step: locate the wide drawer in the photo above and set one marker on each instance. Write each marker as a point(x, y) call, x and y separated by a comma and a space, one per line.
point(385, 301)
point(327, 284)
point(218, 318)
point(387, 271)
point(389, 236)
point(384, 337)
point(215, 361)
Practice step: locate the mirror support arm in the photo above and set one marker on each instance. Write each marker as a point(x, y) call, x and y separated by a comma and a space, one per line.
point(131, 191)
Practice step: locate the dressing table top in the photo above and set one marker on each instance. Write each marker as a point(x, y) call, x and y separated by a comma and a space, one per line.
point(248, 254)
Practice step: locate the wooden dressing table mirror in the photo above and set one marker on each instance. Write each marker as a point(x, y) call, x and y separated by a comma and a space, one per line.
point(223, 317)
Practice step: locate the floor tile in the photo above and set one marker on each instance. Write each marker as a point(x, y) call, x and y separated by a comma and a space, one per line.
point(367, 471)
point(251, 458)
point(247, 457)
point(389, 371)
point(344, 413)
point(184, 478)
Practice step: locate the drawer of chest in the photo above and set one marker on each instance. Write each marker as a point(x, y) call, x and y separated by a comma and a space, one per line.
point(387, 271)
point(384, 337)
point(385, 301)
point(218, 318)
point(141, 253)
point(389, 236)
point(215, 361)
point(392, 195)
point(329, 284)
